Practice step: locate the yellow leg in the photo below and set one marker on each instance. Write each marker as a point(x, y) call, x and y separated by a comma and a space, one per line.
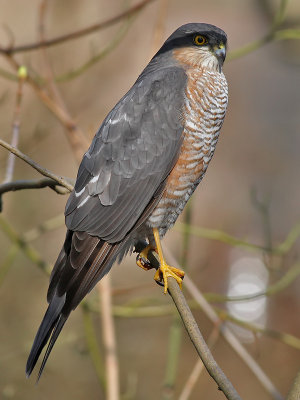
point(165, 270)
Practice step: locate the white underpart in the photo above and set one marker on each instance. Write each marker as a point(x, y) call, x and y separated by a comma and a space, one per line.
point(205, 110)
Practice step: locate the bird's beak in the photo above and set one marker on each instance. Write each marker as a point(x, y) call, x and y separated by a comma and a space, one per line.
point(220, 53)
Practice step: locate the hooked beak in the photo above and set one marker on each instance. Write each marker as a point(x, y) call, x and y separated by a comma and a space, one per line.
point(220, 53)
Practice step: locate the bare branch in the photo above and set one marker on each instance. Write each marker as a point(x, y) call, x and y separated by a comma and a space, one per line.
point(195, 335)
point(294, 393)
point(199, 343)
point(198, 367)
point(76, 34)
point(109, 340)
point(60, 180)
point(227, 334)
point(32, 184)
point(22, 74)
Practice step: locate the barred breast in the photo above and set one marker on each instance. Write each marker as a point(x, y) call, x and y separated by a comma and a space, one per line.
point(206, 98)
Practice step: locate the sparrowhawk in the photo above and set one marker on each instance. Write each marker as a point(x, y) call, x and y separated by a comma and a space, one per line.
point(144, 163)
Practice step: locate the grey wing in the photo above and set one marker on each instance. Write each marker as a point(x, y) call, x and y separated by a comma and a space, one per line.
point(130, 157)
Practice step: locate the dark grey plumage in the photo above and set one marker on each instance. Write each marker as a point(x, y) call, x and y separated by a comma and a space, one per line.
point(120, 181)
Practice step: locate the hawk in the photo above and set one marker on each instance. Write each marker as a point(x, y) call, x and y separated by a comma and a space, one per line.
point(144, 163)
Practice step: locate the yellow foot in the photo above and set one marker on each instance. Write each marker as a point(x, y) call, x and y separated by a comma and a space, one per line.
point(164, 271)
point(142, 258)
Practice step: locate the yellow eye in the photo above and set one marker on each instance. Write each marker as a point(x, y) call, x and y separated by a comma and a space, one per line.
point(199, 40)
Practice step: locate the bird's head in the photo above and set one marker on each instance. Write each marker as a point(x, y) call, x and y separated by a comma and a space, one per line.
point(198, 45)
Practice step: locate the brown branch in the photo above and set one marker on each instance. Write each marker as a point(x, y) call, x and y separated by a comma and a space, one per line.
point(227, 333)
point(194, 333)
point(109, 340)
point(199, 343)
point(13, 186)
point(61, 181)
point(294, 393)
point(22, 74)
point(75, 35)
point(198, 367)
point(76, 138)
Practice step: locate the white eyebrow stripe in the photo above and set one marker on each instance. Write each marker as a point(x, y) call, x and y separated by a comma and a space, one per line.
point(77, 194)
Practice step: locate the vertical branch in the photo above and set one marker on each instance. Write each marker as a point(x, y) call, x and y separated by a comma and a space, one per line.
point(175, 335)
point(199, 366)
point(92, 345)
point(22, 74)
point(75, 136)
point(294, 393)
point(109, 339)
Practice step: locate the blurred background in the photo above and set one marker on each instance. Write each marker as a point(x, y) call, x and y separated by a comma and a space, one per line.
point(239, 237)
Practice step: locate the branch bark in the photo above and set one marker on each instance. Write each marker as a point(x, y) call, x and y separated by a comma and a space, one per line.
point(194, 333)
point(58, 179)
point(76, 34)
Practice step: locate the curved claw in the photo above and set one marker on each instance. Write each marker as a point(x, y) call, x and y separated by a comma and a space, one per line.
point(164, 272)
point(142, 258)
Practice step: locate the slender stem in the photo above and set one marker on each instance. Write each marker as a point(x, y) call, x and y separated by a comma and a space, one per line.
point(175, 336)
point(28, 250)
point(294, 393)
point(92, 345)
point(109, 339)
point(61, 181)
point(199, 343)
point(31, 184)
point(8, 261)
point(15, 129)
point(76, 34)
point(198, 367)
point(232, 340)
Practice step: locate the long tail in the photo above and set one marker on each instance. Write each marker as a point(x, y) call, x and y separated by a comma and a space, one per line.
point(82, 262)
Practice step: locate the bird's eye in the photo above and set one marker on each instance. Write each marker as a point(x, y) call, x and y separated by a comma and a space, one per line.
point(200, 40)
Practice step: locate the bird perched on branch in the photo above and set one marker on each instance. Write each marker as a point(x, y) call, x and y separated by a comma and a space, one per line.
point(144, 163)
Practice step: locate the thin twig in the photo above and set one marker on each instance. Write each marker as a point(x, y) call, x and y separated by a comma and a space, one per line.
point(198, 367)
point(61, 181)
point(109, 339)
point(15, 125)
point(76, 34)
point(93, 347)
point(76, 138)
point(46, 226)
point(199, 343)
point(287, 279)
point(230, 337)
point(32, 184)
point(175, 335)
point(294, 393)
point(195, 335)
point(28, 250)
point(116, 39)
point(283, 337)
point(8, 261)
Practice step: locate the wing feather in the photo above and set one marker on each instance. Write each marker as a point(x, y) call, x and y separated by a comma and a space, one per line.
point(131, 155)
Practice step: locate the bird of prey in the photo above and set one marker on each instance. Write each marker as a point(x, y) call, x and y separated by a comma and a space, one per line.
point(144, 163)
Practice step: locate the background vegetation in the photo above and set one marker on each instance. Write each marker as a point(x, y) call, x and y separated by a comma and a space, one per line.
point(247, 207)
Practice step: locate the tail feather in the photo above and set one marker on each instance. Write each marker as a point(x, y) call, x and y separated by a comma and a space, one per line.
point(82, 262)
point(48, 324)
point(56, 331)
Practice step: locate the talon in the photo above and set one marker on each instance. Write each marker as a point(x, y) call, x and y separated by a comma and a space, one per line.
point(164, 272)
point(142, 258)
